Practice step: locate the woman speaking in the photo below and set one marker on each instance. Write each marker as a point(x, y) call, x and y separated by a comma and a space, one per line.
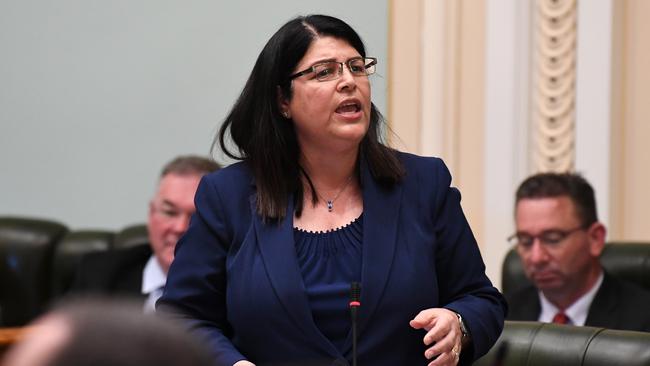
point(317, 203)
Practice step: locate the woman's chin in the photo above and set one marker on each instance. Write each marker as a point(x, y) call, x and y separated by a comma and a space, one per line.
point(352, 134)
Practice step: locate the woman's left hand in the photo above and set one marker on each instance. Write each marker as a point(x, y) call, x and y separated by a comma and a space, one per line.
point(443, 335)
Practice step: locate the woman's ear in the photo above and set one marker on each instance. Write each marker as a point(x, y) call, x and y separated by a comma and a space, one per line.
point(283, 104)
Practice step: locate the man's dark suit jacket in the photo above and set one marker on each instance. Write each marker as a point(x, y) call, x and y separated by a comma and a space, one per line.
point(114, 272)
point(617, 305)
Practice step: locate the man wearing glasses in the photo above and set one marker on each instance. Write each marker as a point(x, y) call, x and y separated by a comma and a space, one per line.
point(141, 271)
point(559, 240)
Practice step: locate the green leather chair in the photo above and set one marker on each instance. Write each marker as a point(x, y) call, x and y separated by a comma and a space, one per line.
point(73, 246)
point(39, 259)
point(131, 236)
point(545, 344)
point(626, 260)
point(26, 248)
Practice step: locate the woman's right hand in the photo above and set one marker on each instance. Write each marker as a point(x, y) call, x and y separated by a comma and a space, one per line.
point(243, 363)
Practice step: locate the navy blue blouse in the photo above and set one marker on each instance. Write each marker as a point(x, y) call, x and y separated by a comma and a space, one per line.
point(329, 261)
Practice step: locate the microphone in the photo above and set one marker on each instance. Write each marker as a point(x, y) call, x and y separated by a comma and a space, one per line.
point(355, 302)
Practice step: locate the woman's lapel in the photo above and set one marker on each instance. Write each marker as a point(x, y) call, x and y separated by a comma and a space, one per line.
point(381, 209)
point(277, 247)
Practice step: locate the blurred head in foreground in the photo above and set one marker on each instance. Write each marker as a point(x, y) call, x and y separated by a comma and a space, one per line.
point(94, 332)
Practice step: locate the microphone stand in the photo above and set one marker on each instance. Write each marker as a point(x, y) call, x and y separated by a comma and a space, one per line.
point(355, 297)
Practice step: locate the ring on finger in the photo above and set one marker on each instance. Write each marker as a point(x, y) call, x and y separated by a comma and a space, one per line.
point(456, 352)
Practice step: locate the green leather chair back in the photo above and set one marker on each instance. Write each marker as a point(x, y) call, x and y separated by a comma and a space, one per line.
point(131, 236)
point(544, 344)
point(26, 248)
point(69, 252)
point(39, 259)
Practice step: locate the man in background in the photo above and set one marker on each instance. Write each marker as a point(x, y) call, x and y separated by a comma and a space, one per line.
point(559, 240)
point(141, 271)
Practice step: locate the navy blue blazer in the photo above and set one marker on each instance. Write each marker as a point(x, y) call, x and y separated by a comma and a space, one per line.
point(236, 278)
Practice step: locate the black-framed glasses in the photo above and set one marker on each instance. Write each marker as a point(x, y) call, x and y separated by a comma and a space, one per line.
point(332, 70)
point(548, 238)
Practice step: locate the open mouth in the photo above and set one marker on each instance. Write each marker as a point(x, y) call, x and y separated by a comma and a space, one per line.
point(349, 107)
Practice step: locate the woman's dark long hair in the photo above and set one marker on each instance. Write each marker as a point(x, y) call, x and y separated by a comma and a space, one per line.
point(267, 141)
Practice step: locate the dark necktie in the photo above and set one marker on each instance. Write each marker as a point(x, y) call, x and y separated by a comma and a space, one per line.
point(561, 318)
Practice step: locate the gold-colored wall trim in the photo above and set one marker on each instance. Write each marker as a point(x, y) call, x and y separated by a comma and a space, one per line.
point(555, 79)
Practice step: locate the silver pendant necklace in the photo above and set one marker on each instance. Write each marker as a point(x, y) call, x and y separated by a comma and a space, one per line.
point(330, 203)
